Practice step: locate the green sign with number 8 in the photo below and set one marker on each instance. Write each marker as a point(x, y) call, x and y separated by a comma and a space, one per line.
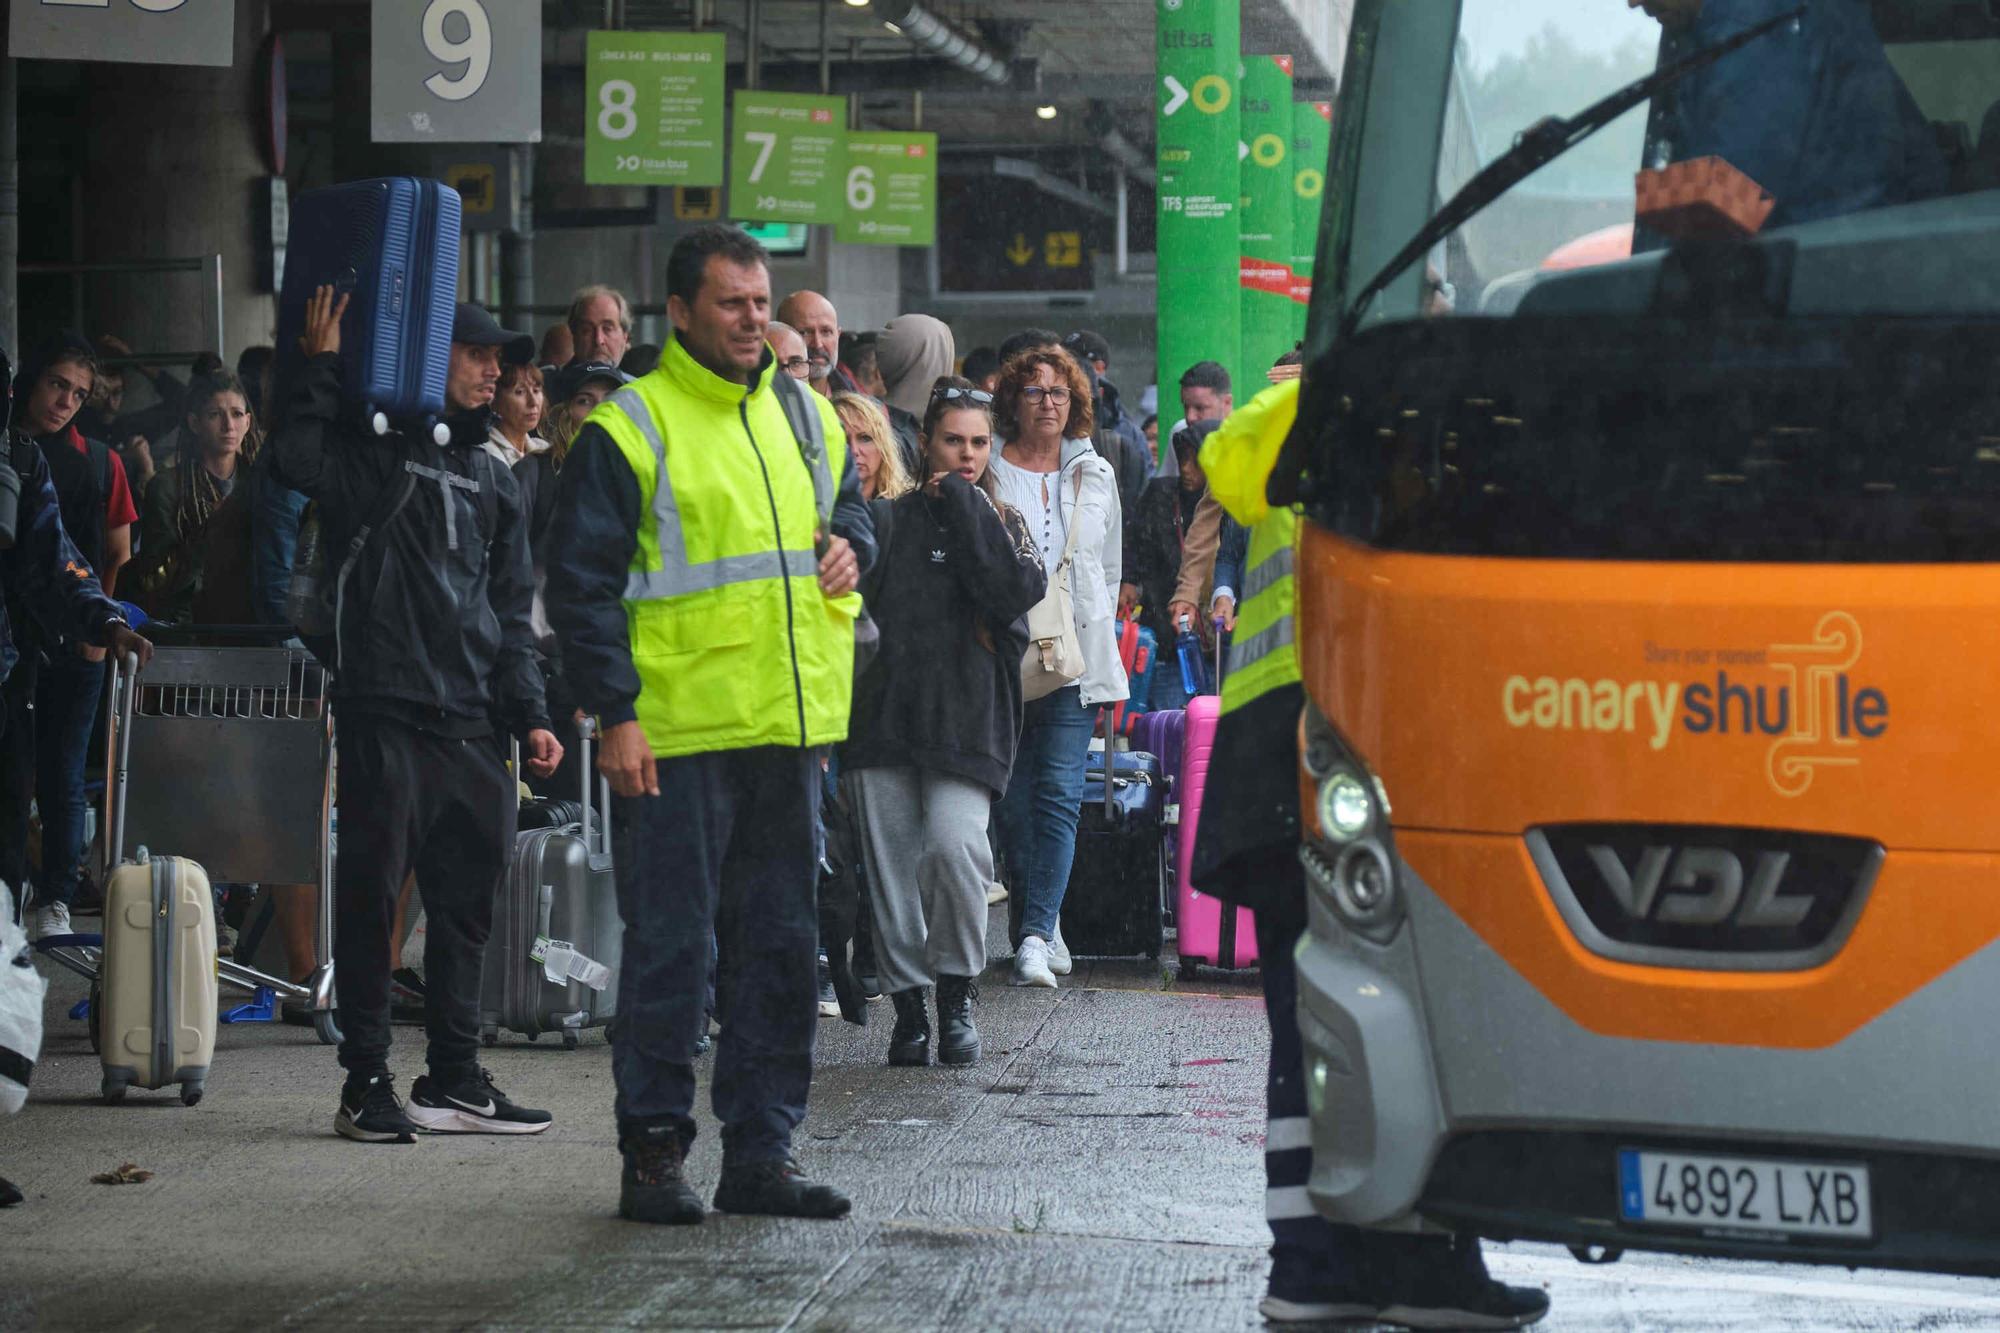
point(653, 114)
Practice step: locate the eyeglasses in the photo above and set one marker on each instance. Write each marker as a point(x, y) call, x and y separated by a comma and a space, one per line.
point(798, 367)
point(1034, 393)
point(951, 393)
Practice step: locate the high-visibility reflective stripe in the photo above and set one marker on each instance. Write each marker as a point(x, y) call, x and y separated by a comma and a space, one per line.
point(677, 575)
point(1247, 652)
point(1288, 1134)
point(1273, 567)
point(678, 581)
point(1287, 1204)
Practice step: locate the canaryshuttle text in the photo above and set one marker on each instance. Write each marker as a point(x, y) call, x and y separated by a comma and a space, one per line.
point(1720, 707)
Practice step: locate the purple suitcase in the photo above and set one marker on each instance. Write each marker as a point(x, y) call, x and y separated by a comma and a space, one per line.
point(393, 245)
point(1160, 734)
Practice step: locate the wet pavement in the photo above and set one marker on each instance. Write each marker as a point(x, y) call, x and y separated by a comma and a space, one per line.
point(1099, 1169)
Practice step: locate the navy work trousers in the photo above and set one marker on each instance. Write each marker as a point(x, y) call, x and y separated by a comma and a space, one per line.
point(725, 851)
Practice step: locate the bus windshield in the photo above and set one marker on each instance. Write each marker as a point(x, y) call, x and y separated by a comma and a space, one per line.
point(1567, 376)
point(1855, 109)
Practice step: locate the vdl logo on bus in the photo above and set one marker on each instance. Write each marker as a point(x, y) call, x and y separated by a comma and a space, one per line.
point(1816, 713)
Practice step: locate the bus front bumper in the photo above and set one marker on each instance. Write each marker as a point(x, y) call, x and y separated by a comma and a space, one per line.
point(1446, 1092)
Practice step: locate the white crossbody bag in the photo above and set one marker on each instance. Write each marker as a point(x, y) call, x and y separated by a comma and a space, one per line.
point(1055, 651)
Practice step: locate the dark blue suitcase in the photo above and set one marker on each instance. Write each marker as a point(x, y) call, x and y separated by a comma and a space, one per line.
point(393, 244)
point(1115, 906)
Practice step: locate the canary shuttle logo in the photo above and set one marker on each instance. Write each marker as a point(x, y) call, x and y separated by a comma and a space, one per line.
point(1804, 698)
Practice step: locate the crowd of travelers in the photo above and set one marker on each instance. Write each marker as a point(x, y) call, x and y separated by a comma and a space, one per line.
point(787, 569)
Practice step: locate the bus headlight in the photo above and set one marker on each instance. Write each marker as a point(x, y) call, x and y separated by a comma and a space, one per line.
point(1346, 806)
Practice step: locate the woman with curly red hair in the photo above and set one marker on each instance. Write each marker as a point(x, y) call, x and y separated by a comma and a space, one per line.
point(1069, 495)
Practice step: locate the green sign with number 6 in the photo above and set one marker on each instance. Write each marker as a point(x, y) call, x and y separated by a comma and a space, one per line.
point(891, 190)
point(653, 114)
point(788, 158)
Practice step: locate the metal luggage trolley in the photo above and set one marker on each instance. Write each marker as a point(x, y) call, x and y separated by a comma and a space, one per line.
point(224, 755)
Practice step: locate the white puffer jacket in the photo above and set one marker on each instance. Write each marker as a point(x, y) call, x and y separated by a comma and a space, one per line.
point(1098, 562)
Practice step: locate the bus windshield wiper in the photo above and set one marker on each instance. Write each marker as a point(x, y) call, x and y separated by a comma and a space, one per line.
point(1539, 145)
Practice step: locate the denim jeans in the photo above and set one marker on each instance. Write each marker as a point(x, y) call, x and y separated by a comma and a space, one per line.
point(66, 698)
point(1165, 694)
point(722, 856)
point(1044, 800)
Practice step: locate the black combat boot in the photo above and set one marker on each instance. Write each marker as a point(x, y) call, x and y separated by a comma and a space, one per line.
point(654, 1186)
point(910, 1042)
point(776, 1189)
point(958, 1039)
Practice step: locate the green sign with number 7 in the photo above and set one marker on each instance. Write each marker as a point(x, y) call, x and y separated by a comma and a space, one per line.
point(654, 109)
point(788, 157)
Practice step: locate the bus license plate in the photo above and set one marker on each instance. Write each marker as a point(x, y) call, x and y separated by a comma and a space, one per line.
point(1745, 1193)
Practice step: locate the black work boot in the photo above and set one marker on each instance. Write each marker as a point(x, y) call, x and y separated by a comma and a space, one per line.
point(958, 1039)
point(910, 1042)
point(777, 1189)
point(653, 1188)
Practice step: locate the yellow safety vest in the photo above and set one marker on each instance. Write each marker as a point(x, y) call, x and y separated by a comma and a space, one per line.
point(1238, 458)
point(733, 641)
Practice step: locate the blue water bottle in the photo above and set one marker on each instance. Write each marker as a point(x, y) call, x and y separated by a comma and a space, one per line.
point(1194, 666)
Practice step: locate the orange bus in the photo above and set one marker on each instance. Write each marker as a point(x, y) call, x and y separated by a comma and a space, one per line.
point(1644, 612)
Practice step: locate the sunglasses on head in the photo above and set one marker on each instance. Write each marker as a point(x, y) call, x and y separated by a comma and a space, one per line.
point(951, 393)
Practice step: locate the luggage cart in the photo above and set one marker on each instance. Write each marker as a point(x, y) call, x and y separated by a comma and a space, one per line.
point(224, 755)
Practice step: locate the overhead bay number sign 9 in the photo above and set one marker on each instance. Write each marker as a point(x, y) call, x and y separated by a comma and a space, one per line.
point(788, 158)
point(654, 114)
point(456, 71)
point(891, 190)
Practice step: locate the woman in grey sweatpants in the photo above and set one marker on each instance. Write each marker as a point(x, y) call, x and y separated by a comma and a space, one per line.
point(936, 718)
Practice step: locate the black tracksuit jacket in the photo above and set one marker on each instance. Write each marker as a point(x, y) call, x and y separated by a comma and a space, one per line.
point(434, 625)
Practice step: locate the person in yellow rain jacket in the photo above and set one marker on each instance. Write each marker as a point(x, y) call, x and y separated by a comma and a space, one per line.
point(708, 539)
point(1246, 852)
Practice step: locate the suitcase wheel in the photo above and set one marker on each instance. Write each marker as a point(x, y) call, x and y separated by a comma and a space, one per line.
point(489, 1036)
point(190, 1096)
point(1189, 968)
point(569, 1039)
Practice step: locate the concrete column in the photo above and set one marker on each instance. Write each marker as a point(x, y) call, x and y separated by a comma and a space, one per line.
point(169, 162)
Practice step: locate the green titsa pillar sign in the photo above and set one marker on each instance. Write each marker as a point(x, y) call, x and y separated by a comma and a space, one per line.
point(1265, 223)
point(1200, 51)
point(1312, 137)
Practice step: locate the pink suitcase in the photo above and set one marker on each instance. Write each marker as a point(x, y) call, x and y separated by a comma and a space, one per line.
point(1210, 931)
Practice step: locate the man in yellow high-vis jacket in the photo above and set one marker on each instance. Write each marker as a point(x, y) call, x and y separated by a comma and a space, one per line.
point(1246, 851)
point(703, 561)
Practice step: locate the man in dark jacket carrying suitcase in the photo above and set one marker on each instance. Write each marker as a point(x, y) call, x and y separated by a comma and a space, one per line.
point(433, 653)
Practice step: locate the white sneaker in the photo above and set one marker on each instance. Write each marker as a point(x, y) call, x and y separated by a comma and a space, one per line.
point(996, 893)
point(1031, 964)
point(52, 920)
point(1059, 959)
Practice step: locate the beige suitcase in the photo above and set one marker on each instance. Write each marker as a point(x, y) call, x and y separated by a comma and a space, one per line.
point(155, 1014)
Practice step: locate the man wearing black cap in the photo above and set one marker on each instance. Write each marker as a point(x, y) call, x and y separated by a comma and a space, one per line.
point(433, 654)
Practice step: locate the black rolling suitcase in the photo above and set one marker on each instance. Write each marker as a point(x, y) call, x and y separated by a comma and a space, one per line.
point(1116, 903)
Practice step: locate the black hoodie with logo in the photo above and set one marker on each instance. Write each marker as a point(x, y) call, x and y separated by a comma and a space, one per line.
point(952, 580)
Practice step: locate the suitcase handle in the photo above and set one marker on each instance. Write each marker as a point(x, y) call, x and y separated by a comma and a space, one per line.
point(600, 849)
point(119, 709)
point(599, 818)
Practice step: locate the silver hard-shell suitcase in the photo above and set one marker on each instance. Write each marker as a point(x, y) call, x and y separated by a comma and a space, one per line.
point(552, 958)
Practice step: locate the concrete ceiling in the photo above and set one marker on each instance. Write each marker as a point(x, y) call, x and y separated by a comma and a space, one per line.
point(1091, 60)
